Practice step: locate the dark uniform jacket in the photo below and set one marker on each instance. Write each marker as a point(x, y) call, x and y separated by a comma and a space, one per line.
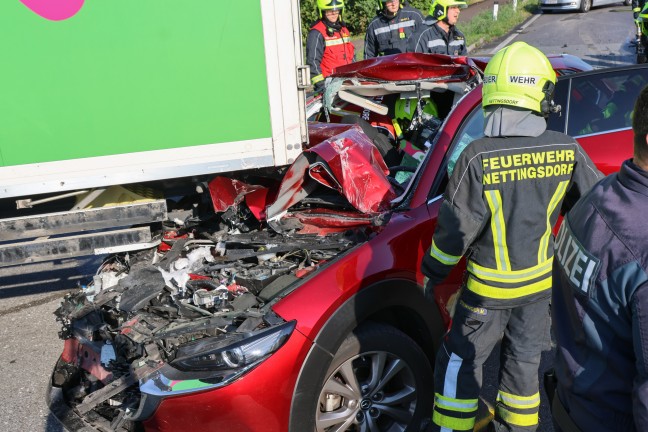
point(432, 39)
point(600, 305)
point(389, 36)
point(327, 47)
point(503, 200)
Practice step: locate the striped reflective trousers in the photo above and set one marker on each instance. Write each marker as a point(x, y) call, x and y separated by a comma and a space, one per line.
point(524, 332)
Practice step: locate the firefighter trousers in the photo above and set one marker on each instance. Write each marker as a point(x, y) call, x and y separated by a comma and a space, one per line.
point(524, 332)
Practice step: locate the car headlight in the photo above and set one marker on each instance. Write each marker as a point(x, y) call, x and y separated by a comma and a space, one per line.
point(234, 351)
point(210, 363)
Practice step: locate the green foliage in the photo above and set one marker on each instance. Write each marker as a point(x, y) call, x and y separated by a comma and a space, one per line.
point(422, 5)
point(483, 28)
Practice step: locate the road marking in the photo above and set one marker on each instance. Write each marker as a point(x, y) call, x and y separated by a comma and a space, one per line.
point(515, 34)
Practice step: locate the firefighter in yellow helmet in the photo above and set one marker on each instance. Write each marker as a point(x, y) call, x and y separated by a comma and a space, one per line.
point(405, 110)
point(637, 6)
point(328, 44)
point(501, 203)
point(640, 10)
point(439, 34)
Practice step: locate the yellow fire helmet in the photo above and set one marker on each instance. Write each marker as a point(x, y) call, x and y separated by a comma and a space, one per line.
point(519, 75)
point(324, 5)
point(381, 4)
point(439, 8)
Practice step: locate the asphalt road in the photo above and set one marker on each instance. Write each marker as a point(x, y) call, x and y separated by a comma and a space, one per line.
point(601, 37)
point(29, 344)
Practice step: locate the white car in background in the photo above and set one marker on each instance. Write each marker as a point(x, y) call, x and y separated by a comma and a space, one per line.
point(576, 5)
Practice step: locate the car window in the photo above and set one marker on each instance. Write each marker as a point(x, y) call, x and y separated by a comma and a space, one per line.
point(472, 129)
point(603, 102)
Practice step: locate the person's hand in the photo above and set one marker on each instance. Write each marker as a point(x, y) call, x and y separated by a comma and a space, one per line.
point(428, 291)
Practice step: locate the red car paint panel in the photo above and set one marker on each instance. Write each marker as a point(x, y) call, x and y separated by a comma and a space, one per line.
point(357, 171)
point(409, 67)
point(256, 402)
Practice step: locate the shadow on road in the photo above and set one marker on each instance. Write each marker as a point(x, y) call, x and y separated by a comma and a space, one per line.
point(50, 277)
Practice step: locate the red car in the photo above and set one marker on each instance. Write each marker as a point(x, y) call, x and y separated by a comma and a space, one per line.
point(294, 302)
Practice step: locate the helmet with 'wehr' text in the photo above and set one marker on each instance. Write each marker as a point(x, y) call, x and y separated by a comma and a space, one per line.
point(520, 75)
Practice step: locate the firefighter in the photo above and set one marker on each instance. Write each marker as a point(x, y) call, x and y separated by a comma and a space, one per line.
point(390, 30)
point(502, 200)
point(637, 6)
point(439, 34)
point(600, 301)
point(329, 42)
point(640, 12)
point(407, 110)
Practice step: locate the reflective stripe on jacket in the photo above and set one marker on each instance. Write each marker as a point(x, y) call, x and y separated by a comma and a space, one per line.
point(432, 39)
point(324, 53)
point(637, 5)
point(502, 201)
point(387, 36)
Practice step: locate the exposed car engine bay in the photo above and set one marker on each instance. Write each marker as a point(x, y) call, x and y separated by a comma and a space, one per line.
point(196, 314)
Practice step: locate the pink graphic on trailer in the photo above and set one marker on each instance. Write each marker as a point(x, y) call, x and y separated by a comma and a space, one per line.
point(54, 10)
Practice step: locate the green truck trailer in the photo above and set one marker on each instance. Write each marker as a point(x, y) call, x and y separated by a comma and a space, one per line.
point(103, 93)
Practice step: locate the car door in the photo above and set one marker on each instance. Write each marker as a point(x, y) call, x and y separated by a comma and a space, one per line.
point(597, 110)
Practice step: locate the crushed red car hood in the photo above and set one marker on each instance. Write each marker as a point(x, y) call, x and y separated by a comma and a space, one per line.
point(344, 160)
point(409, 67)
point(348, 163)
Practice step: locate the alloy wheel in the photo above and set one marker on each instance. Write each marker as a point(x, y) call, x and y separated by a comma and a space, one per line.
point(371, 392)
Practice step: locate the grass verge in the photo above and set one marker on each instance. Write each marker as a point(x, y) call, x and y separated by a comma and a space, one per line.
point(482, 29)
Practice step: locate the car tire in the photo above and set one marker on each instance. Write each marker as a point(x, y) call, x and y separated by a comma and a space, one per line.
point(641, 58)
point(627, 2)
point(585, 6)
point(379, 380)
